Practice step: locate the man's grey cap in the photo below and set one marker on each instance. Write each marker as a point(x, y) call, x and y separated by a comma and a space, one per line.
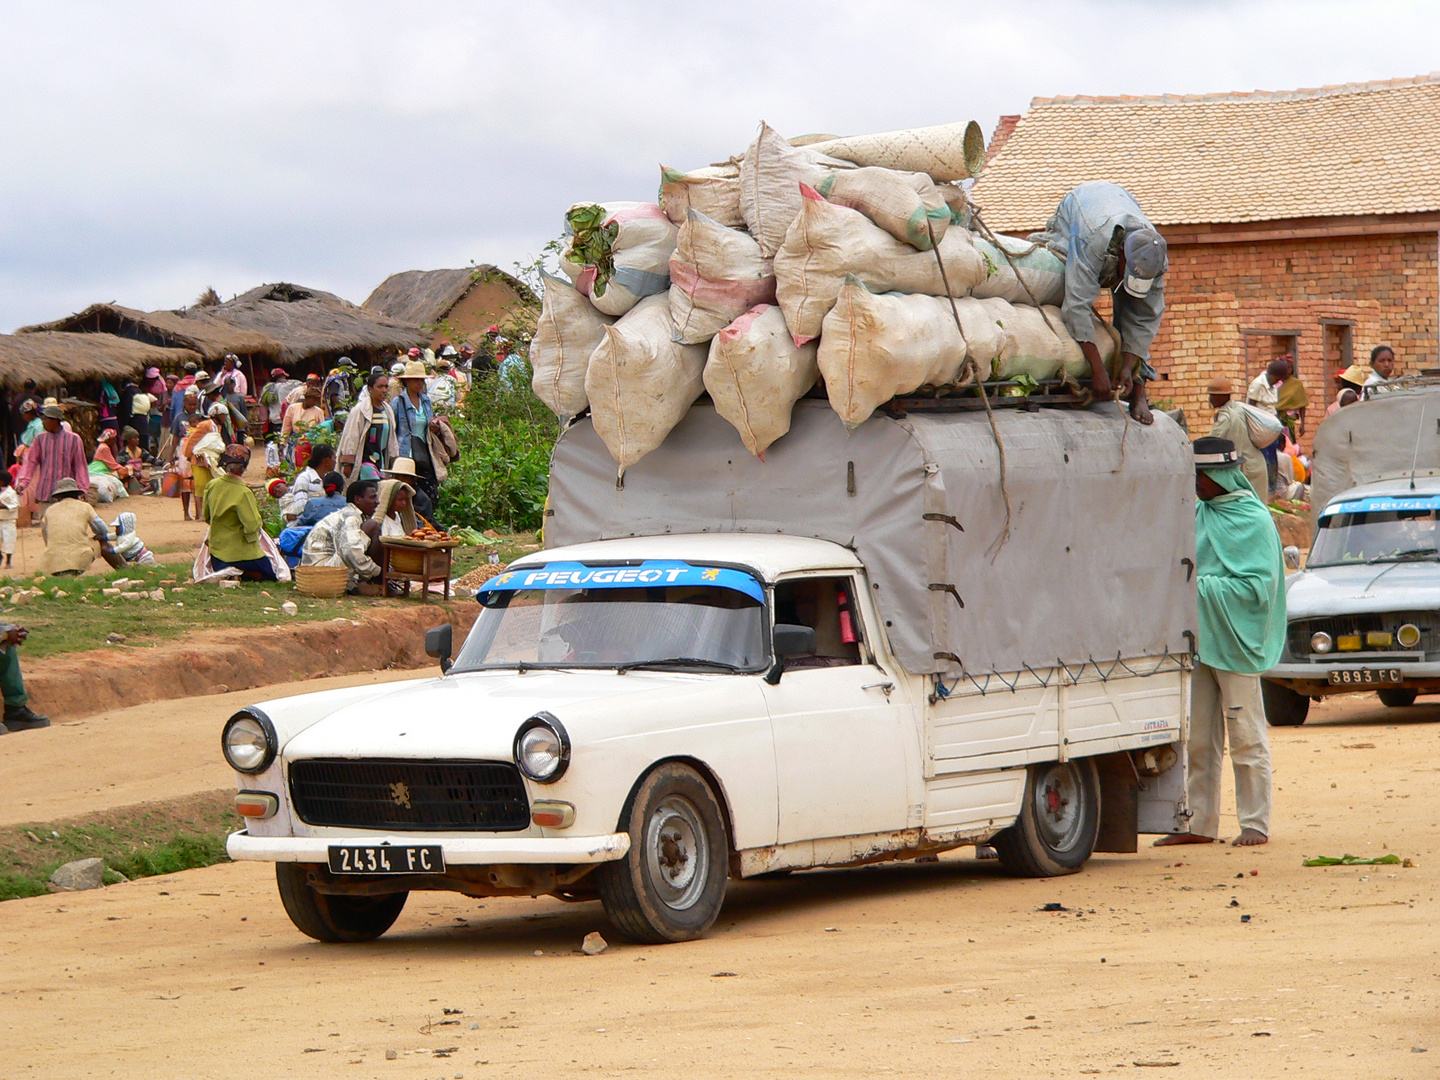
point(1146, 254)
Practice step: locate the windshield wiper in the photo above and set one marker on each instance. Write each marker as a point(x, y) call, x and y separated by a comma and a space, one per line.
point(632, 665)
point(1413, 553)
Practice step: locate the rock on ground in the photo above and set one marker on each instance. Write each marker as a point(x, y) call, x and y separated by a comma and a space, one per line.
point(78, 875)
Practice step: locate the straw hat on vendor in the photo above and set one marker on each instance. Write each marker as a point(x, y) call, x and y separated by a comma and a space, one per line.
point(403, 468)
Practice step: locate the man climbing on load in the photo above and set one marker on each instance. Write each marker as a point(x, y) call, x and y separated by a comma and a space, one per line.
point(1107, 242)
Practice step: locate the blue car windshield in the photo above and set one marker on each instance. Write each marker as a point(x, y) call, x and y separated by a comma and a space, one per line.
point(565, 615)
point(1372, 534)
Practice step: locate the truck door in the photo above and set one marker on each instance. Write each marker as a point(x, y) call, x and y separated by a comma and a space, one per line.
point(842, 742)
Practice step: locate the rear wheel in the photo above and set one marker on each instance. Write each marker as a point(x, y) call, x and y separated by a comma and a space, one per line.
point(1397, 699)
point(326, 917)
point(671, 883)
point(1283, 706)
point(1058, 821)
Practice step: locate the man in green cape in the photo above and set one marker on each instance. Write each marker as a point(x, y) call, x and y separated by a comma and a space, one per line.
point(1240, 574)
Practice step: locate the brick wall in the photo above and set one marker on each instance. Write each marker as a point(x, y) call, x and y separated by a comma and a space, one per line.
point(1388, 287)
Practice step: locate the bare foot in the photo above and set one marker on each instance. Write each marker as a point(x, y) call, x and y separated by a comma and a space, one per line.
point(1251, 838)
point(1183, 838)
point(1140, 408)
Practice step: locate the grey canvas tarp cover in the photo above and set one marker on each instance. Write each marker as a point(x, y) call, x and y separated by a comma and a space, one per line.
point(1379, 439)
point(1093, 569)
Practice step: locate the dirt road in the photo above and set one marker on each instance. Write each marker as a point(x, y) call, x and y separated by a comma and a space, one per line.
point(940, 969)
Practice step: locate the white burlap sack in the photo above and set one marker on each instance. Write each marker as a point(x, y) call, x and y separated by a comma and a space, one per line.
point(770, 177)
point(640, 381)
point(908, 206)
point(566, 334)
point(945, 152)
point(756, 373)
point(1040, 268)
point(713, 190)
point(618, 253)
point(716, 275)
point(875, 346)
point(1107, 340)
point(1032, 347)
point(826, 242)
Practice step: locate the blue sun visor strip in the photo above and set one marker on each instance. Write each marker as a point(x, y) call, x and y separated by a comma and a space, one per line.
point(1383, 503)
point(574, 575)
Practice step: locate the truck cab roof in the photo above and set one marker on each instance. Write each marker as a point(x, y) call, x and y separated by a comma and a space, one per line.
point(768, 555)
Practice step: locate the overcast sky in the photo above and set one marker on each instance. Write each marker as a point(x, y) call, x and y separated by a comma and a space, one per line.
point(152, 149)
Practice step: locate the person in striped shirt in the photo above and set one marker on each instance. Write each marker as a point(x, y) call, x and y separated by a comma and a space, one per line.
point(54, 455)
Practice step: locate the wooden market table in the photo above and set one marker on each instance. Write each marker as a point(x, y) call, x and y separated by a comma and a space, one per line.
point(403, 559)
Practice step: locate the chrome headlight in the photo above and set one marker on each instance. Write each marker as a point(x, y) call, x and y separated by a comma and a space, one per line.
point(1408, 635)
point(542, 749)
point(1321, 642)
point(249, 742)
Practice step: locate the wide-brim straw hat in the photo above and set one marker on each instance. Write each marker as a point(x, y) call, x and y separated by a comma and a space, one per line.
point(65, 486)
point(403, 468)
point(415, 369)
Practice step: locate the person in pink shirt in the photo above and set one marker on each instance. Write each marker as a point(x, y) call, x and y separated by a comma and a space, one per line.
point(55, 454)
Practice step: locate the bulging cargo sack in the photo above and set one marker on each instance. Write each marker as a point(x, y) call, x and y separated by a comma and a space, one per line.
point(827, 241)
point(770, 177)
point(1039, 267)
point(640, 381)
point(756, 373)
point(875, 346)
point(1107, 341)
point(716, 275)
point(566, 334)
point(1032, 346)
point(908, 206)
point(714, 191)
point(945, 152)
point(618, 253)
point(1263, 427)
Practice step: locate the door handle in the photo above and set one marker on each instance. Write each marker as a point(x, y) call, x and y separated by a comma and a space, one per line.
point(887, 687)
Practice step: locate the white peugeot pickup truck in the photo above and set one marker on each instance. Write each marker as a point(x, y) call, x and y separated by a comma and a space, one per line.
point(641, 716)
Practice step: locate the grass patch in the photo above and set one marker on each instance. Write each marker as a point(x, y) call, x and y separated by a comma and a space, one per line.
point(135, 841)
point(84, 617)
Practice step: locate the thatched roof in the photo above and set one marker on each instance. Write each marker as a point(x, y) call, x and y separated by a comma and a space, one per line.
point(309, 322)
point(425, 297)
point(166, 329)
point(53, 357)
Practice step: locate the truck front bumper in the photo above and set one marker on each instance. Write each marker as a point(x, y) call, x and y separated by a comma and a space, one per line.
point(459, 851)
point(1313, 680)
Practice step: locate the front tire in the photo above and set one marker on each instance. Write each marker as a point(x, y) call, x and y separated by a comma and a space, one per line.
point(331, 918)
point(1058, 821)
point(671, 883)
point(1397, 699)
point(1283, 706)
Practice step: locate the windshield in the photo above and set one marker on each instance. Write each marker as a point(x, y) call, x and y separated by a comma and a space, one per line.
point(1375, 531)
point(687, 618)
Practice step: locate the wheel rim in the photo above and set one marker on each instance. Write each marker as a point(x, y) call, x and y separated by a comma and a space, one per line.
point(677, 856)
point(1059, 813)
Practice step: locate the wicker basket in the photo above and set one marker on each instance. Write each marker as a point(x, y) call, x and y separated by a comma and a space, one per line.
point(326, 581)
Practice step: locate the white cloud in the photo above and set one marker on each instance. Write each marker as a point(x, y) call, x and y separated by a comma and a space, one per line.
point(151, 151)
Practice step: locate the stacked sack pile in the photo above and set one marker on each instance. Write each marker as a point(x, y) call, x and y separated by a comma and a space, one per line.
point(753, 279)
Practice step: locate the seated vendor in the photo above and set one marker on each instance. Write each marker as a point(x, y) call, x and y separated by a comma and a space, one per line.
point(233, 514)
point(74, 533)
point(319, 507)
point(340, 540)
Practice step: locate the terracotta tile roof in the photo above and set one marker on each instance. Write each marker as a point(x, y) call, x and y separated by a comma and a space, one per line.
point(1362, 148)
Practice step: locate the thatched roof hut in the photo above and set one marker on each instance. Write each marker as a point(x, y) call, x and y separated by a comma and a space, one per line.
point(454, 304)
point(52, 358)
point(168, 330)
point(314, 326)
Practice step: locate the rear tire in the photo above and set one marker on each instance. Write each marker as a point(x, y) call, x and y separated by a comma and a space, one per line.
point(331, 918)
point(671, 883)
point(1283, 706)
point(1397, 699)
point(1058, 821)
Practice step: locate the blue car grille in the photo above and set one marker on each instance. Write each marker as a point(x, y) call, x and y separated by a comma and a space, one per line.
point(1301, 630)
point(483, 796)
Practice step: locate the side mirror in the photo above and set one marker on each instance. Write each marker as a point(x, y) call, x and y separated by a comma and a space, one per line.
point(790, 640)
point(439, 642)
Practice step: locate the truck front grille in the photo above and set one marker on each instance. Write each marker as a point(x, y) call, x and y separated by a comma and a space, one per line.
point(1301, 630)
point(484, 796)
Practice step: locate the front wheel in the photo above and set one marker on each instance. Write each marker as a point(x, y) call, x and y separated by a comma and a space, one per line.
point(1058, 821)
point(1283, 706)
point(671, 883)
point(1397, 699)
point(327, 917)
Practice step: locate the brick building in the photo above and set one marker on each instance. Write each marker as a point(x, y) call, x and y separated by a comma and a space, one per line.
point(1304, 222)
